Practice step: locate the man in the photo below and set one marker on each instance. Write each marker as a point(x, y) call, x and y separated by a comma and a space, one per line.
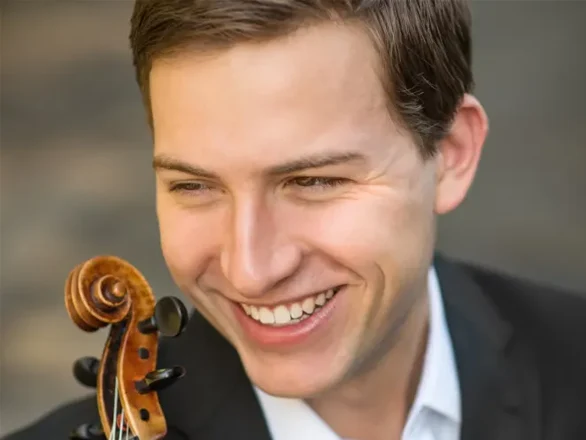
point(303, 151)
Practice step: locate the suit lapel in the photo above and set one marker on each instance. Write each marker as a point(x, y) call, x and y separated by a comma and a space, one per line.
point(498, 378)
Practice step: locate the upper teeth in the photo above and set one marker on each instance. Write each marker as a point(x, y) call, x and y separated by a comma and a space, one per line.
point(290, 313)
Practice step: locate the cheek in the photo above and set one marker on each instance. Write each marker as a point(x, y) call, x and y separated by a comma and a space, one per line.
point(382, 228)
point(187, 241)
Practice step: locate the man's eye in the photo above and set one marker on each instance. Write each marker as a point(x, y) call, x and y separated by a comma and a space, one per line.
point(189, 187)
point(317, 183)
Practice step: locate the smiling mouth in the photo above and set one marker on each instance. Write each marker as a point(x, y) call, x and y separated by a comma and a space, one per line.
point(289, 314)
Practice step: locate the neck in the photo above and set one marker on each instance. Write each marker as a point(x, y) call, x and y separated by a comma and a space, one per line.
point(376, 404)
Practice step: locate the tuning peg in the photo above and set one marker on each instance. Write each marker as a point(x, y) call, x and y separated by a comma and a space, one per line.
point(85, 371)
point(88, 431)
point(170, 318)
point(159, 379)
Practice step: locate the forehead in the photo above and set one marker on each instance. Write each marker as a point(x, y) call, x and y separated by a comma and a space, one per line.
point(313, 89)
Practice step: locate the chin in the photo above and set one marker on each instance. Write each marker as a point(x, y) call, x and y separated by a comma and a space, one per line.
point(297, 377)
point(293, 387)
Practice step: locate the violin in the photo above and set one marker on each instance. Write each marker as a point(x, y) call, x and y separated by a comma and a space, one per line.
point(108, 291)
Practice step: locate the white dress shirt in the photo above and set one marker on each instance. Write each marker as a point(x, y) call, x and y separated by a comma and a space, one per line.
point(435, 414)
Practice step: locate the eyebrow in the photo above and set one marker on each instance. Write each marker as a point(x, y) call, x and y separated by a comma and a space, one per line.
point(313, 161)
point(168, 163)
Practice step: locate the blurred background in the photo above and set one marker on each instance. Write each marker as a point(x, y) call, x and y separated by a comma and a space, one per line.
point(76, 178)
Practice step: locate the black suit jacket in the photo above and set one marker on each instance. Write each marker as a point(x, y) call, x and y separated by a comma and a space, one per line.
point(520, 353)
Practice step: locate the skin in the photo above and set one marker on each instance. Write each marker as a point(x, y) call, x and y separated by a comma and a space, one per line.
point(244, 219)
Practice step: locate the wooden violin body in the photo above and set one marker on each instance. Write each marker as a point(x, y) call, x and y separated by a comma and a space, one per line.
point(108, 291)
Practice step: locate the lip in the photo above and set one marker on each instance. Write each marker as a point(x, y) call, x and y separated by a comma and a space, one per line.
point(290, 335)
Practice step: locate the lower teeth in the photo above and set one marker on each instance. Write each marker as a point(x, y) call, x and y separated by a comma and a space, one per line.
point(292, 321)
point(295, 321)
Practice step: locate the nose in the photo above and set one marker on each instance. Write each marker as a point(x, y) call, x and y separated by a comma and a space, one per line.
point(257, 254)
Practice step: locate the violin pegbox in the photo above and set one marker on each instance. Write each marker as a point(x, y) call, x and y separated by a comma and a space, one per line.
point(109, 291)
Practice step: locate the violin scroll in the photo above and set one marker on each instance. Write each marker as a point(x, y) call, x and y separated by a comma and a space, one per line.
point(109, 291)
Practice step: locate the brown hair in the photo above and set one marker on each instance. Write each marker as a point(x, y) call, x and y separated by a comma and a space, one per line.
point(424, 45)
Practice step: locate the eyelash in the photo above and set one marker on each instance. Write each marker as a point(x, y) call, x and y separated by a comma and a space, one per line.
point(324, 182)
point(305, 182)
point(188, 187)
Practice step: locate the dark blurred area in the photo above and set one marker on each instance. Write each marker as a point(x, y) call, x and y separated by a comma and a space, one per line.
point(76, 178)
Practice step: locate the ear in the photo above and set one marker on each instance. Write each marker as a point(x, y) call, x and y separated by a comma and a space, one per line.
point(458, 154)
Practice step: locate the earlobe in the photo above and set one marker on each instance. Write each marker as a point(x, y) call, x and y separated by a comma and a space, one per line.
point(459, 153)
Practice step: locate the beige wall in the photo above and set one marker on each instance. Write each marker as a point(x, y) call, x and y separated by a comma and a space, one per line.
point(76, 178)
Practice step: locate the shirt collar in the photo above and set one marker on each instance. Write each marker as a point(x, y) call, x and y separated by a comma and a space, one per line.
point(438, 390)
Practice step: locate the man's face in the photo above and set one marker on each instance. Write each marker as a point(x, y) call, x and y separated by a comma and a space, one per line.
point(281, 176)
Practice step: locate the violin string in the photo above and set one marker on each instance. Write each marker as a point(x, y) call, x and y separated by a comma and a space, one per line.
point(123, 426)
point(115, 415)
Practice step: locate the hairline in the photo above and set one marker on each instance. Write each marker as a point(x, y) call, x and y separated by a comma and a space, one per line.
point(202, 49)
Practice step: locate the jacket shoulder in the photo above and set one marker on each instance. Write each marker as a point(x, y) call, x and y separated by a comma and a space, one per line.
point(59, 423)
point(551, 313)
point(549, 325)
